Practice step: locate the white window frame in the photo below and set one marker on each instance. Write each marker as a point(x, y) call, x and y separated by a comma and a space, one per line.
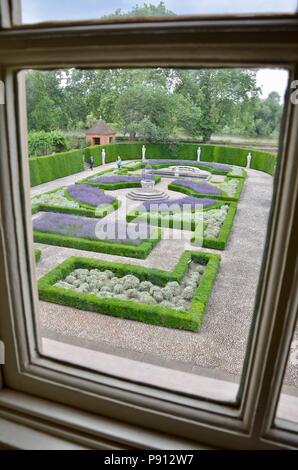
point(84, 409)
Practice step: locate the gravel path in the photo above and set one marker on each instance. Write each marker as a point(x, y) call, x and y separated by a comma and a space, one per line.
point(218, 349)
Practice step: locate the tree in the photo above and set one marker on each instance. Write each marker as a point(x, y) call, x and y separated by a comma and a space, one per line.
point(147, 9)
point(45, 101)
point(218, 93)
point(145, 111)
point(43, 143)
point(267, 115)
point(153, 104)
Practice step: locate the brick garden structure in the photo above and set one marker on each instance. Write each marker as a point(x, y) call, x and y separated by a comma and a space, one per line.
point(100, 134)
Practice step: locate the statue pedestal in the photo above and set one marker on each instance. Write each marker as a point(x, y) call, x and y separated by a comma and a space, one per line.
point(147, 185)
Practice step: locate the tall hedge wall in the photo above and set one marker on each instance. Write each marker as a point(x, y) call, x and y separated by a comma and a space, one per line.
point(51, 167)
point(261, 160)
point(43, 169)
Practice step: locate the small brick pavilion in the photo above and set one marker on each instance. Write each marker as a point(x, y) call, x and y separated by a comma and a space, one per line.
point(100, 134)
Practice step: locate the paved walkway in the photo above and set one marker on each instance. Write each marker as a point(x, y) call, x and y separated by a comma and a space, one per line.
point(218, 349)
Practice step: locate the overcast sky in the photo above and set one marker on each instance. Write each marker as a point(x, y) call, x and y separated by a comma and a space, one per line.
point(43, 10)
point(39, 10)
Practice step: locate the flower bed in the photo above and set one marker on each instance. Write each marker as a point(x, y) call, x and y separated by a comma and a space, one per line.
point(209, 166)
point(55, 198)
point(90, 234)
point(217, 220)
point(213, 165)
point(217, 227)
point(233, 187)
point(105, 287)
point(229, 186)
point(116, 181)
point(237, 172)
point(177, 202)
point(60, 200)
point(90, 195)
point(199, 187)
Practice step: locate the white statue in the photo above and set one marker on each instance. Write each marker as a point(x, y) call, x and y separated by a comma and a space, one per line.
point(143, 152)
point(103, 157)
point(248, 160)
point(199, 154)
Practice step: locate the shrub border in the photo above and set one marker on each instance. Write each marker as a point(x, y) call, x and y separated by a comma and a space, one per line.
point(157, 315)
point(140, 251)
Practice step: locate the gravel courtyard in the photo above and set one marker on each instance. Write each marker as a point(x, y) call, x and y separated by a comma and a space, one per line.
point(218, 348)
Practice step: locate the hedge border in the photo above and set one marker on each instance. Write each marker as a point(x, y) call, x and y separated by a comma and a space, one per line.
point(157, 315)
point(223, 197)
point(218, 243)
point(51, 167)
point(85, 209)
point(140, 251)
point(261, 160)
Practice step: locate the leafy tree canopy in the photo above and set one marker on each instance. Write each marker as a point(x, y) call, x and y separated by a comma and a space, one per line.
point(153, 104)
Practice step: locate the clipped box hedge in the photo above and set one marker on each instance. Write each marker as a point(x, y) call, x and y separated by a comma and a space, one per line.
point(158, 315)
point(140, 251)
point(51, 167)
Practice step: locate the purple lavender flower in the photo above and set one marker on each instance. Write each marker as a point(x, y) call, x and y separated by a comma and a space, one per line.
point(190, 201)
point(94, 229)
point(201, 187)
point(114, 179)
point(214, 165)
point(89, 194)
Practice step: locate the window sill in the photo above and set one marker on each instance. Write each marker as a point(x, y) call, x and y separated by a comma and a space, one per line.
point(27, 422)
point(166, 378)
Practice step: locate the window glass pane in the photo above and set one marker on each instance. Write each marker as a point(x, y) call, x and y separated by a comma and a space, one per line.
point(150, 226)
point(38, 10)
point(288, 402)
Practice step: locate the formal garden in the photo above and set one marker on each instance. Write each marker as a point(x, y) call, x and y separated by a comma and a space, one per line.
point(151, 191)
point(126, 210)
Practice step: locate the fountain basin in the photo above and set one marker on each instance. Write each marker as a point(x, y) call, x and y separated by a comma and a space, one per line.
point(147, 185)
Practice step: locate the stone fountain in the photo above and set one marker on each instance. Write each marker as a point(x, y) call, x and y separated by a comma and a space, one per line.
point(147, 191)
